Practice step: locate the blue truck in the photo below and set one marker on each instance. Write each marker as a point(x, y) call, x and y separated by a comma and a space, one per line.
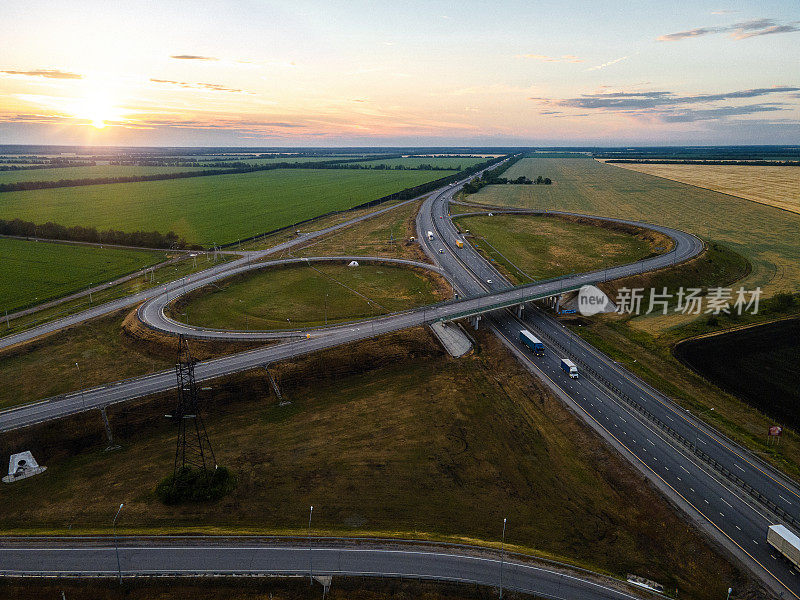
point(532, 342)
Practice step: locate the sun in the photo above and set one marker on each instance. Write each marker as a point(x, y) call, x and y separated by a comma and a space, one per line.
point(98, 109)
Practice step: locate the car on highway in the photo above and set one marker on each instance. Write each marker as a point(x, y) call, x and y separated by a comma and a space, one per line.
point(489, 281)
point(441, 250)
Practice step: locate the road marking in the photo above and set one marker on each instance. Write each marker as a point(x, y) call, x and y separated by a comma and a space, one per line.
point(684, 468)
point(740, 468)
point(726, 502)
point(739, 528)
point(651, 441)
point(784, 499)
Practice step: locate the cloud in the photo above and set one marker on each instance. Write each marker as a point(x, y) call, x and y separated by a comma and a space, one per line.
point(214, 87)
point(691, 115)
point(607, 64)
point(682, 35)
point(47, 73)
point(738, 31)
point(654, 99)
point(669, 107)
point(544, 58)
point(192, 57)
point(723, 11)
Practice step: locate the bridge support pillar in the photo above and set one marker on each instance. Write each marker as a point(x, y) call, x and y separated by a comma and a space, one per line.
point(109, 435)
point(475, 320)
point(520, 308)
point(557, 300)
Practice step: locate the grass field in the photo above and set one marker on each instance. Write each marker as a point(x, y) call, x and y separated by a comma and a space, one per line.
point(388, 234)
point(307, 296)
point(97, 171)
point(445, 162)
point(215, 209)
point(388, 437)
point(46, 367)
point(33, 272)
point(766, 236)
point(530, 248)
point(169, 271)
point(774, 186)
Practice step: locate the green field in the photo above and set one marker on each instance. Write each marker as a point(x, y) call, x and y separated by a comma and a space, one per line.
point(766, 236)
point(412, 162)
point(98, 171)
point(307, 296)
point(215, 209)
point(530, 248)
point(33, 272)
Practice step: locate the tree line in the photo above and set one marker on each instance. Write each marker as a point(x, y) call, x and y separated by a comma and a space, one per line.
point(223, 169)
point(77, 233)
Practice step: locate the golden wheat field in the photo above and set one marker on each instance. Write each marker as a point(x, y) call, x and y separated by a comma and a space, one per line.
point(775, 186)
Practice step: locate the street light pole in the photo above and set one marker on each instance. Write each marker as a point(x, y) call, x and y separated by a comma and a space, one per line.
point(310, 556)
point(116, 544)
point(502, 557)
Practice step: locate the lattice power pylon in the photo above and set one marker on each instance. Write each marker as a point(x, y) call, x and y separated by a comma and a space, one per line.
point(193, 449)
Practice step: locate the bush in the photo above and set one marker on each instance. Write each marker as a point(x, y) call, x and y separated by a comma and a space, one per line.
point(195, 485)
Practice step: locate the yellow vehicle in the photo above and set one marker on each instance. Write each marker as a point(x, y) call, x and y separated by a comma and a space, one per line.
point(459, 243)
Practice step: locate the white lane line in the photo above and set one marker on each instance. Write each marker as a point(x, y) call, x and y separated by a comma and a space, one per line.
point(726, 502)
point(684, 468)
point(740, 468)
point(784, 499)
point(739, 528)
point(651, 442)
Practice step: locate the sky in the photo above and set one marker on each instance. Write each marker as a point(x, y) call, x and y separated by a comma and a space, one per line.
point(356, 73)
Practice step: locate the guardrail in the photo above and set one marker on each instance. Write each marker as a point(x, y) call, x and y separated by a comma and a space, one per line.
point(688, 444)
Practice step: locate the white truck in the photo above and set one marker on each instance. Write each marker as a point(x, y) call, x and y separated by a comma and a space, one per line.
point(569, 368)
point(430, 235)
point(785, 542)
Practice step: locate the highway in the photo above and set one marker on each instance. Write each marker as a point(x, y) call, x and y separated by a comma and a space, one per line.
point(718, 504)
point(728, 492)
point(475, 300)
point(199, 557)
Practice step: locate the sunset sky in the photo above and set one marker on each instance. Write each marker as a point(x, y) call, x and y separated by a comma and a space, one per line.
point(261, 73)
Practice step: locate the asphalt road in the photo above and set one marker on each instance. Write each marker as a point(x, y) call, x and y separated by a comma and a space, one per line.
point(174, 286)
point(475, 300)
point(205, 556)
point(718, 503)
point(721, 507)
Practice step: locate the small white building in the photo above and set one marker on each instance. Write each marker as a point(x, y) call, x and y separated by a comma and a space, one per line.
point(352, 263)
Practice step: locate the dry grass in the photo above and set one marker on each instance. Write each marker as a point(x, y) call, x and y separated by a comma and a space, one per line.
point(297, 588)
point(774, 186)
point(386, 235)
point(766, 236)
point(388, 436)
point(532, 247)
